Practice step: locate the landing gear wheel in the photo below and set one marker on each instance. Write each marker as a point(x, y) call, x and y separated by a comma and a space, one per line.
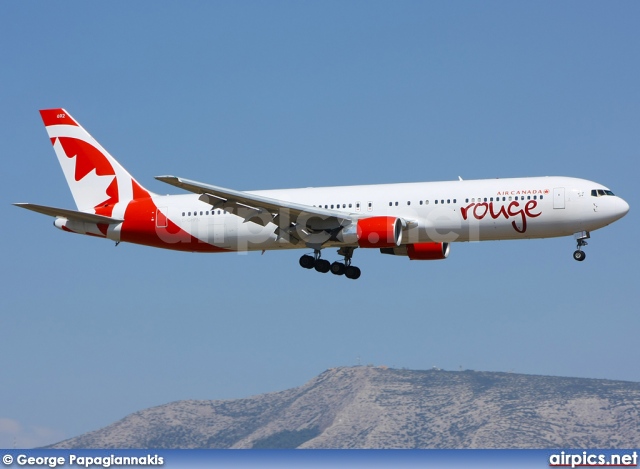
point(322, 265)
point(579, 255)
point(338, 268)
point(352, 272)
point(581, 238)
point(307, 261)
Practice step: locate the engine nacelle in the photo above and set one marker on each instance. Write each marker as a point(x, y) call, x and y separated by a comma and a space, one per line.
point(379, 232)
point(420, 251)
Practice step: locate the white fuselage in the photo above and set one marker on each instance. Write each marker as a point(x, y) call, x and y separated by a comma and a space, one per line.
point(449, 211)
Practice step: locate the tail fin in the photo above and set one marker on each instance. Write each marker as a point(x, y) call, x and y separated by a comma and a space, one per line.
point(97, 181)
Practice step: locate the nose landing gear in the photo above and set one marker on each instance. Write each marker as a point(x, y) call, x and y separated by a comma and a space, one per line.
point(579, 254)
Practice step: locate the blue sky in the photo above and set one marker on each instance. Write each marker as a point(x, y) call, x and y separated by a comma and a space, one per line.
point(265, 95)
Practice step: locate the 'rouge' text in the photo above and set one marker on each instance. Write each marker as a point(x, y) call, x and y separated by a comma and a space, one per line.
point(480, 210)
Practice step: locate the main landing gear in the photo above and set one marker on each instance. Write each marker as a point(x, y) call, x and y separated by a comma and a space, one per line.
point(337, 268)
point(579, 254)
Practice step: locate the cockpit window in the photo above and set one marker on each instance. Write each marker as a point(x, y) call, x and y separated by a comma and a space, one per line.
point(600, 192)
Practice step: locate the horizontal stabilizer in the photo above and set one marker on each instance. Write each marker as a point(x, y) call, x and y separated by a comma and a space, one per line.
point(70, 214)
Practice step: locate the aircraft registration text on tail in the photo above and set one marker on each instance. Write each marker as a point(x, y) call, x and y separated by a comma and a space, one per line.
point(414, 220)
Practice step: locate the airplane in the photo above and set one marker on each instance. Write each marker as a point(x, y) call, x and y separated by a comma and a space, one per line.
point(416, 220)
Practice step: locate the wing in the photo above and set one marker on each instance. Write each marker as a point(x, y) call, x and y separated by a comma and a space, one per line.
point(289, 217)
point(69, 214)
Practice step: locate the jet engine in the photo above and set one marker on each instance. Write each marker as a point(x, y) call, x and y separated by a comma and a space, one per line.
point(420, 251)
point(379, 232)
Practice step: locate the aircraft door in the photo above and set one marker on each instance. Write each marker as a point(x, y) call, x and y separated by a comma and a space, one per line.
point(558, 197)
point(225, 229)
point(161, 217)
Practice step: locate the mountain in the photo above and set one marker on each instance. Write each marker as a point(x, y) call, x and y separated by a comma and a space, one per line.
point(376, 407)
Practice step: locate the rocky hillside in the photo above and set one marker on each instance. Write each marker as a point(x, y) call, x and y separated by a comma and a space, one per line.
point(367, 407)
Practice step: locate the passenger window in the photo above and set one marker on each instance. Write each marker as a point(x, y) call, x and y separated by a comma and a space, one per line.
point(408, 202)
point(436, 201)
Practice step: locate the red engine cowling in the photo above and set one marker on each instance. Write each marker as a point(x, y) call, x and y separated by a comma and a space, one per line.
point(420, 251)
point(379, 232)
point(428, 251)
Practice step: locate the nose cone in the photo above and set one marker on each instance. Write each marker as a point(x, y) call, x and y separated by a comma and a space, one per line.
point(607, 210)
point(620, 209)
